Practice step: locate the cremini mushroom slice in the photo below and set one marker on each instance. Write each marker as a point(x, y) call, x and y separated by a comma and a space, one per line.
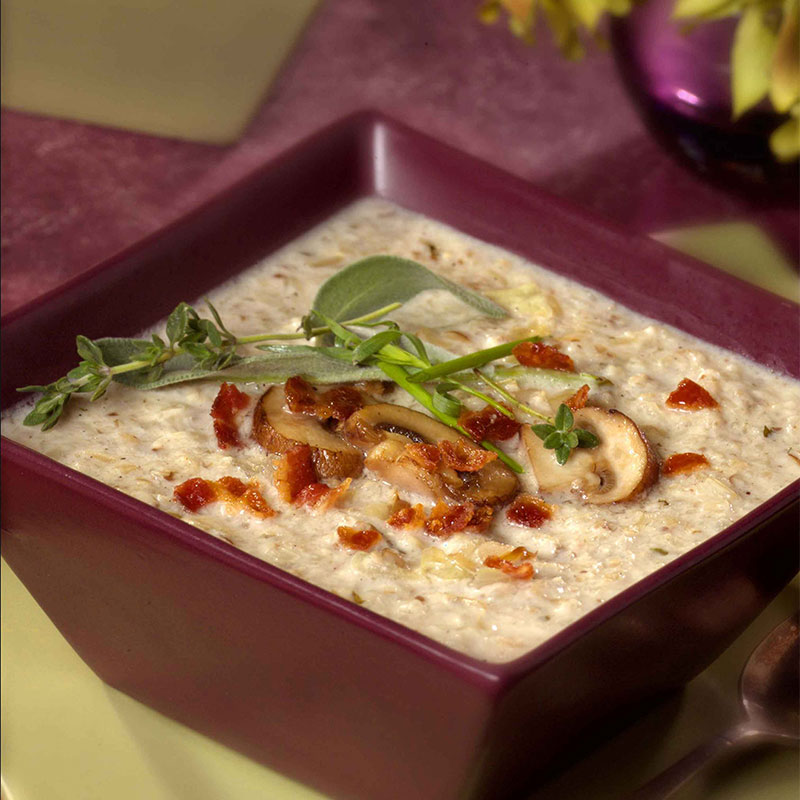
point(384, 430)
point(622, 466)
point(277, 430)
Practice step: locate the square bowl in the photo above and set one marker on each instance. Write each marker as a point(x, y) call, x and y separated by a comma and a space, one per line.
point(288, 673)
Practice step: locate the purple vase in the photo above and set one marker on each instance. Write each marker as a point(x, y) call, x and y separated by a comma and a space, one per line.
point(680, 80)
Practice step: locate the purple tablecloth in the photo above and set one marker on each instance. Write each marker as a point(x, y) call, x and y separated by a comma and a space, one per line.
point(75, 194)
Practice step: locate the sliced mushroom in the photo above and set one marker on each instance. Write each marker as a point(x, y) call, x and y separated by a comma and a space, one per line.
point(277, 430)
point(622, 466)
point(384, 430)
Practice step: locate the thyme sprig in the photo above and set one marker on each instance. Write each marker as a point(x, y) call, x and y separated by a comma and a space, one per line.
point(562, 436)
point(203, 346)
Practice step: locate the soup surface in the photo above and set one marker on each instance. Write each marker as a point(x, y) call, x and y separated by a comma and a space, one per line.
point(471, 589)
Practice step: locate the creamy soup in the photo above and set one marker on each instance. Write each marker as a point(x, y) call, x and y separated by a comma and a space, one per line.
point(470, 590)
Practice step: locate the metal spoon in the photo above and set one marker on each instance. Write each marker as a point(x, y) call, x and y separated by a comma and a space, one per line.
point(770, 694)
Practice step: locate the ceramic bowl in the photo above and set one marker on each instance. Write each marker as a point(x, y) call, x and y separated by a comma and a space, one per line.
point(298, 678)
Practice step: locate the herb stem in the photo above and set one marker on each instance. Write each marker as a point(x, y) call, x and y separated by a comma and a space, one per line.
point(469, 361)
point(264, 337)
point(481, 396)
point(510, 397)
point(401, 378)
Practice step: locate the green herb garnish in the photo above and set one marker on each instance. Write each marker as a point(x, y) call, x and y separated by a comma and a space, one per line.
point(348, 307)
point(561, 436)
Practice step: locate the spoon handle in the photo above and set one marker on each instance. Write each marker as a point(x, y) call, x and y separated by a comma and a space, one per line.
point(672, 778)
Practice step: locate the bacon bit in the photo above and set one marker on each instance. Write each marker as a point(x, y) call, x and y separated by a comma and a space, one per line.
point(463, 456)
point(445, 520)
point(426, 455)
point(536, 354)
point(311, 495)
point(300, 396)
point(294, 471)
point(195, 493)
point(255, 501)
point(578, 400)
point(198, 492)
point(233, 486)
point(481, 518)
point(227, 404)
point(529, 511)
point(684, 463)
point(356, 539)
point(519, 554)
point(489, 424)
point(337, 403)
point(690, 396)
point(523, 571)
point(318, 495)
point(408, 517)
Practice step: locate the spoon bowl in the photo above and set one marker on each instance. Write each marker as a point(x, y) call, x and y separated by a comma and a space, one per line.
point(770, 684)
point(769, 690)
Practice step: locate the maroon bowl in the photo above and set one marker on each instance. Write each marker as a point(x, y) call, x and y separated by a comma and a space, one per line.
point(290, 674)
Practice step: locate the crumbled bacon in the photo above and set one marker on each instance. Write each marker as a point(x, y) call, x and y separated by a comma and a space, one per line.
point(481, 518)
point(519, 554)
point(529, 511)
point(684, 463)
point(690, 396)
point(578, 400)
point(312, 494)
point(300, 396)
point(294, 471)
point(408, 517)
point(227, 404)
point(537, 354)
point(255, 501)
point(445, 520)
point(321, 496)
point(233, 485)
point(489, 424)
point(522, 571)
point(358, 539)
point(426, 455)
point(337, 403)
point(198, 492)
point(195, 493)
point(463, 456)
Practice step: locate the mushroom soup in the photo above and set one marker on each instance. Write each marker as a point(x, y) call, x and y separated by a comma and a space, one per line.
point(665, 441)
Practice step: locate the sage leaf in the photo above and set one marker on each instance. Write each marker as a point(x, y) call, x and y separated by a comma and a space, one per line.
point(278, 366)
point(381, 280)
